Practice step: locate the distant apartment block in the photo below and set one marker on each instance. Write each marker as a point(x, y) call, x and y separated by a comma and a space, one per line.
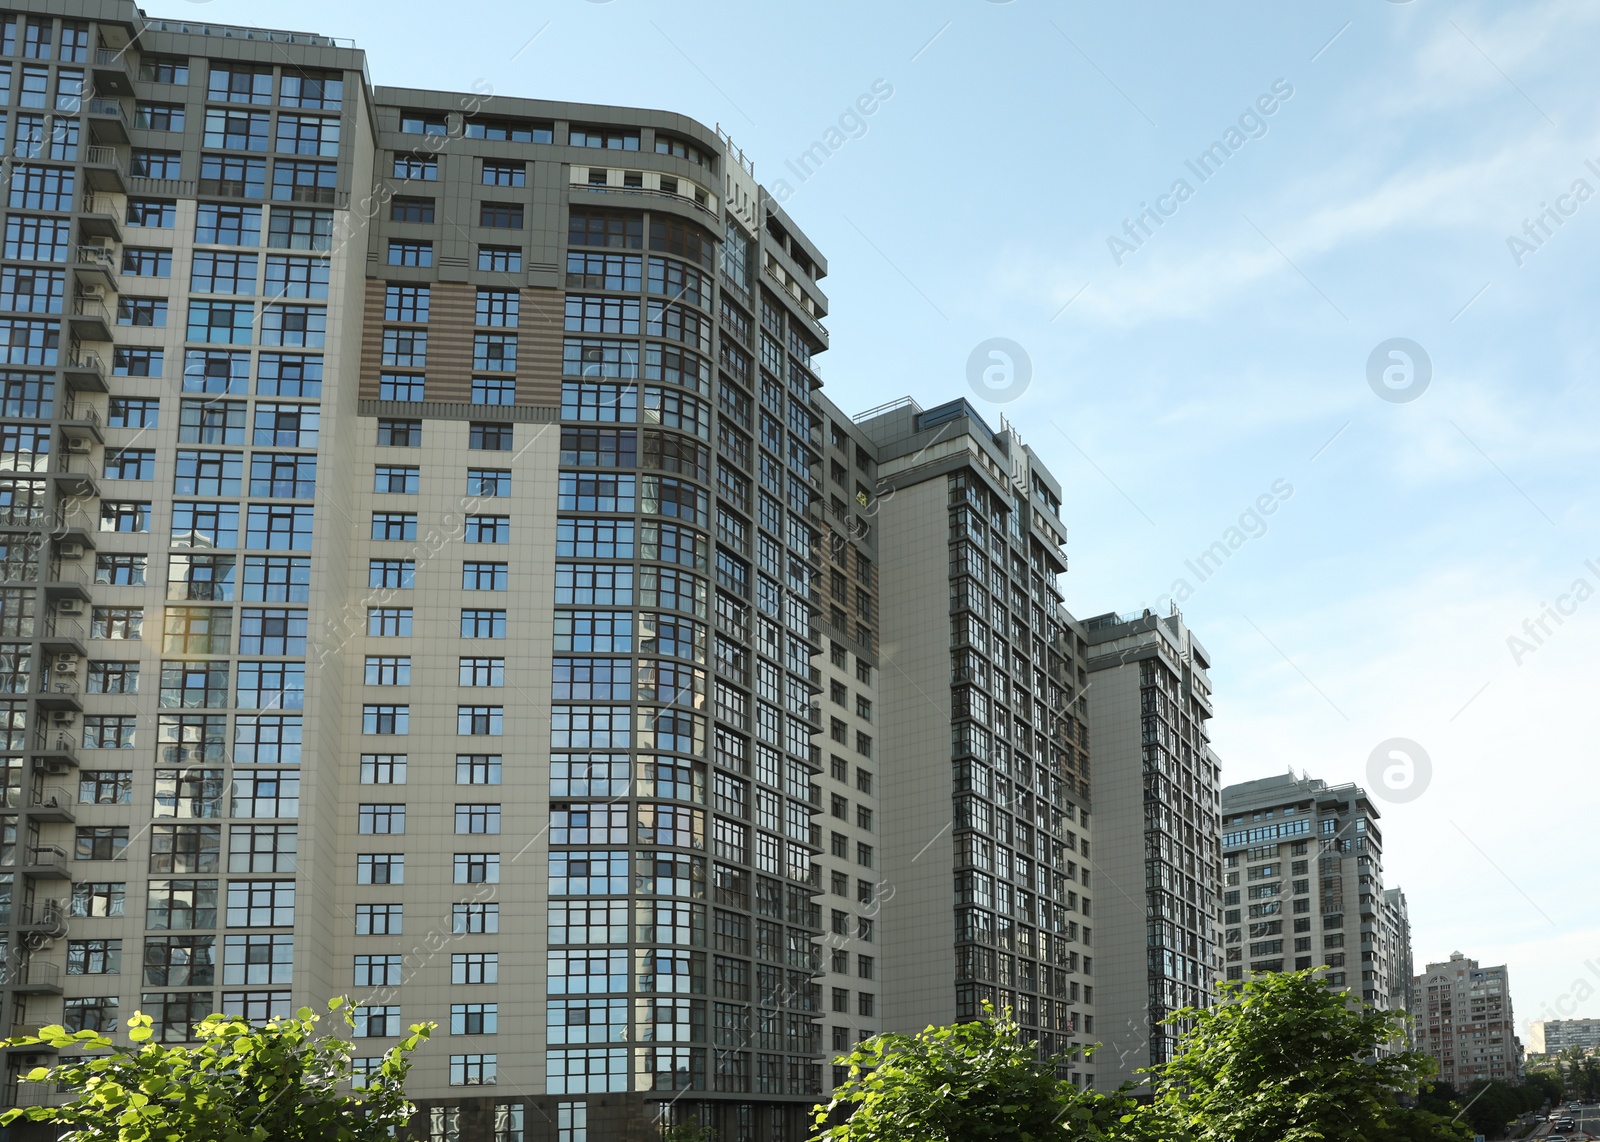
point(1553, 1036)
point(1303, 883)
point(1464, 1020)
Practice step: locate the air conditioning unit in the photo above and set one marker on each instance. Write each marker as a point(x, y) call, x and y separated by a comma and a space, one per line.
point(79, 446)
point(66, 666)
point(57, 768)
point(70, 549)
point(70, 607)
point(96, 292)
point(63, 719)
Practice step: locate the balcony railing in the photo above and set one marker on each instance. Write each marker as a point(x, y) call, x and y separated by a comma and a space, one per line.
point(100, 204)
point(103, 157)
point(55, 797)
point(41, 974)
point(88, 362)
point(58, 625)
point(83, 306)
point(47, 858)
point(86, 413)
point(99, 105)
point(18, 1093)
point(98, 255)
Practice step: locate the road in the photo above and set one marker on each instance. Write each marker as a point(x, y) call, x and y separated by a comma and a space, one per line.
point(1585, 1120)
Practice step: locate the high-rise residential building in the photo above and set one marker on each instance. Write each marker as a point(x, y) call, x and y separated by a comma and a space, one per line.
point(1303, 883)
point(985, 839)
point(415, 588)
point(1464, 1020)
point(1553, 1036)
point(1394, 931)
point(1158, 858)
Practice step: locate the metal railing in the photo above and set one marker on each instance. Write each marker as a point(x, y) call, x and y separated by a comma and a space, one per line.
point(102, 157)
point(106, 57)
point(88, 362)
point(47, 857)
point(69, 571)
point(100, 204)
point(100, 105)
point(83, 306)
point(86, 414)
point(43, 973)
point(58, 625)
point(54, 797)
point(19, 1093)
point(98, 256)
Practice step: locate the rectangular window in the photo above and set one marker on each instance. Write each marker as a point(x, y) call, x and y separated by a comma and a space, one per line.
point(480, 623)
point(379, 719)
point(380, 918)
point(387, 671)
point(498, 259)
point(484, 576)
point(482, 671)
point(383, 769)
point(488, 482)
point(500, 215)
point(399, 433)
point(381, 868)
point(410, 253)
point(490, 437)
point(498, 172)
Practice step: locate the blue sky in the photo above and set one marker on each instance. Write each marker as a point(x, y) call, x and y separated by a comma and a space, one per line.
point(1226, 353)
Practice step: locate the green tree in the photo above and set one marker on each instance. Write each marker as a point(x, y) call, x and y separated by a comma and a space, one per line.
point(1284, 1058)
point(971, 1082)
point(279, 1082)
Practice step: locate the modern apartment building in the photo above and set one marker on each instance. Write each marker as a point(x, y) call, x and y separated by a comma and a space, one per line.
point(985, 840)
point(416, 587)
point(1157, 797)
point(1553, 1036)
point(856, 751)
point(1394, 931)
point(1303, 883)
point(1464, 1020)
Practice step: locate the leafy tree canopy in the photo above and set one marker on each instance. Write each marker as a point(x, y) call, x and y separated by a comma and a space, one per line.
point(280, 1081)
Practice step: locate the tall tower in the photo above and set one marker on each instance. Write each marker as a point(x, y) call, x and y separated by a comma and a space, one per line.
point(413, 573)
point(1157, 791)
point(987, 813)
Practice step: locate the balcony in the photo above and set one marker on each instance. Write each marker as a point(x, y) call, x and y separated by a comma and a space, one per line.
point(18, 1093)
point(60, 694)
point(69, 579)
point(113, 71)
point(55, 750)
point(30, 978)
point(99, 217)
point(108, 121)
point(103, 168)
point(76, 476)
point(63, 634)
point(81, 419)
point(86, 372)
point(46, 862)
point(90, 320)
point(96, 269)
point(53, 802)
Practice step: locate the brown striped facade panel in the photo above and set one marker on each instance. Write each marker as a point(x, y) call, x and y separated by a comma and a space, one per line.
point(450, 327)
